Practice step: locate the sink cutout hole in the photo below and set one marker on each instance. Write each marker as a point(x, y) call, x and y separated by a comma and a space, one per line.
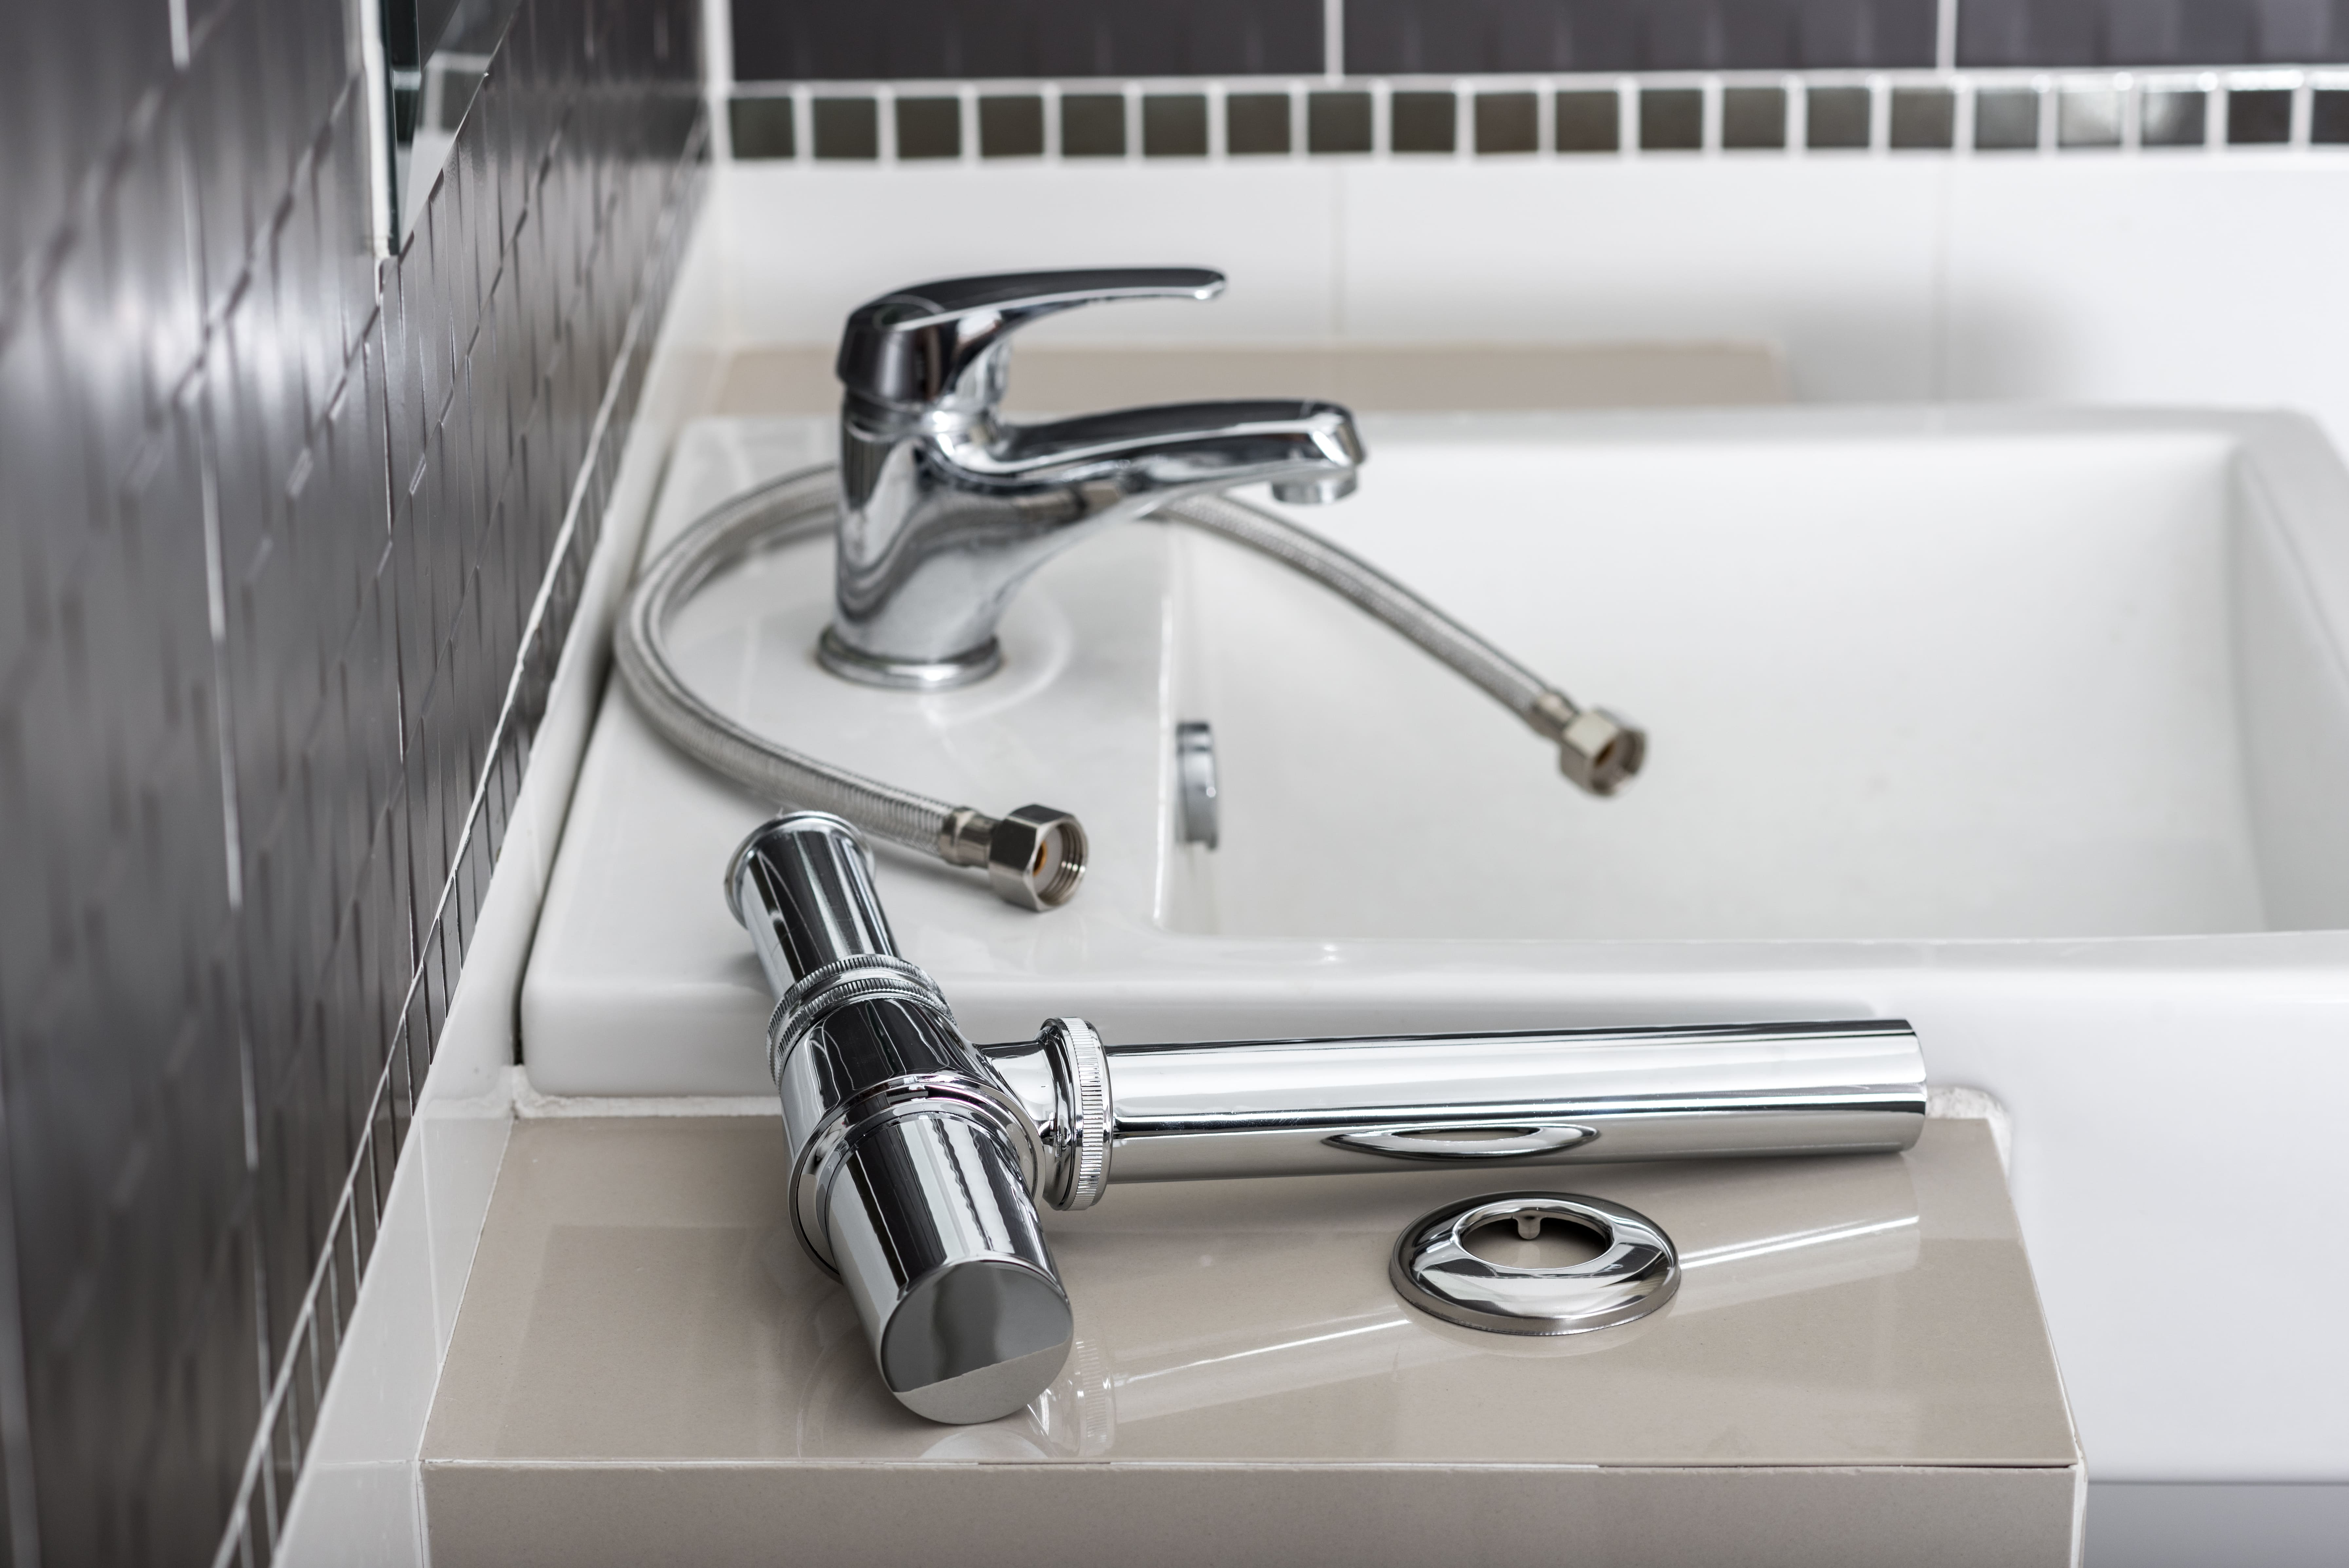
point(1558, 1242)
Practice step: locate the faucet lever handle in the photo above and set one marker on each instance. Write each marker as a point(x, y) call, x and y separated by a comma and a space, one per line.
point(927, 345)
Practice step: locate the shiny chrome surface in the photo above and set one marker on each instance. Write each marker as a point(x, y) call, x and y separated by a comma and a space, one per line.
point(945, 508)
point(1283, 1108)
point(791, 508)
point(1194, 782)
point(1635, 1273)
point(912, 1163)
point(1034, 856)
point(1453, 1144)
point(1598, 749)
point(917, 1159)
point(938, 1246)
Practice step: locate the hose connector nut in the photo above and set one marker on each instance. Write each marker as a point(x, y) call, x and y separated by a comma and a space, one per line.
point(1600, 752)
point(1035, 857)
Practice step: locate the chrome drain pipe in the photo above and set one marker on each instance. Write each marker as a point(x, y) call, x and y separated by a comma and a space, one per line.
point(918, 1159)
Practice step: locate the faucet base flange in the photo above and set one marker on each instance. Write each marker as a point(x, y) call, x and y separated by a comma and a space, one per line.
point(907, 674)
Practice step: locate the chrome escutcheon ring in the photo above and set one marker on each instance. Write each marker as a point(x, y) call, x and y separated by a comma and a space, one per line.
point(1635, 1273)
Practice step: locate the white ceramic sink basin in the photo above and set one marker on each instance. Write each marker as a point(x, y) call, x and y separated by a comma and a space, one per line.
point(2029, 727)
point(2012, 685)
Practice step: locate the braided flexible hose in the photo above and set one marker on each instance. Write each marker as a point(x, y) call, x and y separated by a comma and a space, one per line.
point(1596, 749)
point(798, 506)
point(1508, 683)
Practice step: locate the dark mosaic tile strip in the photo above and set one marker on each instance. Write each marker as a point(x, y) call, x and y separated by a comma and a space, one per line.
point(272, 561)
point(1837, 113)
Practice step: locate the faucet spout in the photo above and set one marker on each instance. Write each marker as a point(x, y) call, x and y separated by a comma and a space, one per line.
point(945, 510)
point(1157, 453)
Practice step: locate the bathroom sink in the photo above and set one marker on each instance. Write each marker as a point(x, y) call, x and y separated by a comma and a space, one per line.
point(2028, 727)
point(2010, 685)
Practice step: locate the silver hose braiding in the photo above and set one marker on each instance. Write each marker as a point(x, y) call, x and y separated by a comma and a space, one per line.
point(798, 506)
point(1600, 752)
point(1349, 576)
point(1597, 749)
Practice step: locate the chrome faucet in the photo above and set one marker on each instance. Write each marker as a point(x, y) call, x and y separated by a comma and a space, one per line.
point(945, 510)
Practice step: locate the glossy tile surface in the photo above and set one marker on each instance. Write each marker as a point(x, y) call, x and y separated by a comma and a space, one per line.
point(639, 1296)
point(291, 534)
point(639, 1305)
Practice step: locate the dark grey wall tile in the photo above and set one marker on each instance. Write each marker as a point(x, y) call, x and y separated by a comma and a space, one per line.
point(1508, 122)
point(1923, 119)
point(1837, 118)
point(1011, 126)
point(1174, 125)
point(1588, 120)
point(1092, 125)
point(1422, 122)
point(208, 951)
point(1256, 123)
point(75, 81)
point(761, 127)
point(1753, 118)
point(2006, 119)
point(820, 40)
point(2260, 117)
point(1671, 119)
point(1337, 122)
point(2151, 32)
point(2328, 117)
point(1411, 36)
point(847, 128)
point(929, 128)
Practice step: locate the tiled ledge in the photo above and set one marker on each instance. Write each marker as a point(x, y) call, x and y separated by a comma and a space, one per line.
point(1249, 119)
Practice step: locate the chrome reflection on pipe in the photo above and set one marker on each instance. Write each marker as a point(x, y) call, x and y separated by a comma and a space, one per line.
point(1317, 1108)
point(918, 1159)
point(912, 1168)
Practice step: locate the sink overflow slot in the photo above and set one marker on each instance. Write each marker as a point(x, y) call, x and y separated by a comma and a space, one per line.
point(1194, 778)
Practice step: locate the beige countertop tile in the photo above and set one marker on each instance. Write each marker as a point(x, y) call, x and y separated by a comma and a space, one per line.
point(647, 1367)
point(639, 1296)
